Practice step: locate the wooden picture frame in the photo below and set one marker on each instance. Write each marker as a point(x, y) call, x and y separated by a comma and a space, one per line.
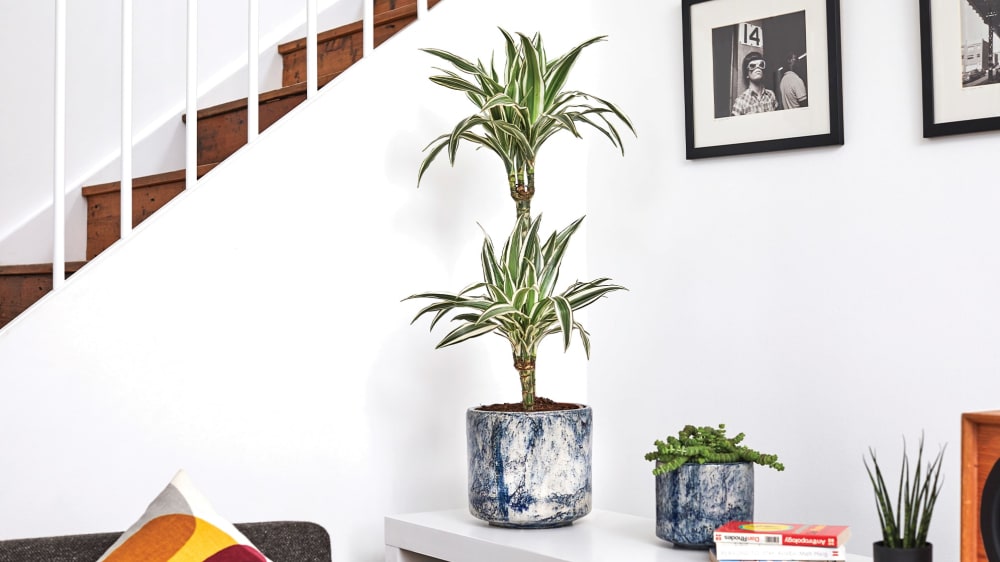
point(737, 105)
point(961, 82)
point(980, 451)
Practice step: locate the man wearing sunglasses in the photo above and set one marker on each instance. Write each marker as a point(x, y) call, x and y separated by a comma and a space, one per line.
point(756, 98)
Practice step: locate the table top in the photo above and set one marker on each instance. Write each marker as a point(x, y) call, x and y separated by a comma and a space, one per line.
point(457, 536)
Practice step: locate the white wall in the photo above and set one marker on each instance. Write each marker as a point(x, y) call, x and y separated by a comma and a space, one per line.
point(820, 300)
point(847, 307)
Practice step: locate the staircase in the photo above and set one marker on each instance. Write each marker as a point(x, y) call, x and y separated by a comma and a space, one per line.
point(222, 130)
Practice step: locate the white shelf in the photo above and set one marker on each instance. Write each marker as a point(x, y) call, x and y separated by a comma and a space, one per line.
point(602, 536)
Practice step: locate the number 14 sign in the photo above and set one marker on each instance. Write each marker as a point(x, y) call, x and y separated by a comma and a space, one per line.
point(751, 35)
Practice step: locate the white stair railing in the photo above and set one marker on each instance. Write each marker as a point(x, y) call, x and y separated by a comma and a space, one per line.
point(312, 59)
point(253, 64)
point(368, 29)
point(126, 160)
point(59, 164)
point(191, 130)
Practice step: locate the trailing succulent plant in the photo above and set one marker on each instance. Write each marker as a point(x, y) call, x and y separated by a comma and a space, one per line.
point(706, 445)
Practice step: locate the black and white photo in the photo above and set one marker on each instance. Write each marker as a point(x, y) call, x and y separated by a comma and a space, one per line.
point(754, 77)
point(979, 61)
point(761, 76)
point(960, 66)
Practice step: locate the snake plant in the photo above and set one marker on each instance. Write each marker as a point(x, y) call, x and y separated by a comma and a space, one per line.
point(517, 299)
point(706, 444)
point(520, 108)
point(906, 524)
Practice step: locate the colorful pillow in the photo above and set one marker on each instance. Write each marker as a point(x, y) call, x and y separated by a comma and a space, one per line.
point(181, 526)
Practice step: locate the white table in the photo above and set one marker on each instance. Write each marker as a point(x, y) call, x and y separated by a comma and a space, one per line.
point(602, 536)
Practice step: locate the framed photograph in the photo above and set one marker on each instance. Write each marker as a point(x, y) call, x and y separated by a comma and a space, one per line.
point(961, 67)
point(761, 75)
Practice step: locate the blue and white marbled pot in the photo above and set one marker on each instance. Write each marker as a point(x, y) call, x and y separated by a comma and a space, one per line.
point(529, 469)
point(695, 499)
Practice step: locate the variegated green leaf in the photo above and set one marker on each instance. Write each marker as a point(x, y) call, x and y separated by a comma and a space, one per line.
point(465, 332)
point(498, 309)
point(455, 83)
point(459, 62)
point(584, 338)
point(583, 299)
point(564, 312)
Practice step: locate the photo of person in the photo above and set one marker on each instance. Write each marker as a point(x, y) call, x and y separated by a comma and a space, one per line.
point(756, 98)
point(793, 89)
point(760, 65)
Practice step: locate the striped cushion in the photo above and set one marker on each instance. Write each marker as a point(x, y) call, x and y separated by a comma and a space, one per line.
point(181, 526)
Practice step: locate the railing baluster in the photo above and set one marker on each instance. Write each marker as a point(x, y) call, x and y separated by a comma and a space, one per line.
point(312, 72)
point(191, 137)
point(126, 161)
point(59, 156)
point(253, 83)
point(421, 8)
point(368, 28)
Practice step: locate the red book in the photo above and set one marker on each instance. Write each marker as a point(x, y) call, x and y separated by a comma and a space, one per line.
point(792, 534)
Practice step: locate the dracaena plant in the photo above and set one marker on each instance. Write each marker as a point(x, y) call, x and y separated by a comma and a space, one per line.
point(519, 108)
point(517, 299)
point(905, 523)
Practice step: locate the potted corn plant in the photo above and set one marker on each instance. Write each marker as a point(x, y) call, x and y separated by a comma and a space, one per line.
point(906, 522)
point(529, 463)
point(530, 460)
point(703, 480)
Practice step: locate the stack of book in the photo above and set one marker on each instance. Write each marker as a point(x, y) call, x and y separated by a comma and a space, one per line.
point(747, 541)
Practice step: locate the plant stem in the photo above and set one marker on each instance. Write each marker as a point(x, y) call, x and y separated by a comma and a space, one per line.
point(526, 369)
point(522, 193)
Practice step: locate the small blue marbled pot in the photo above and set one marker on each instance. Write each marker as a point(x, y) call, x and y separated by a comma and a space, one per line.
point(529, 469)
point(695, 499)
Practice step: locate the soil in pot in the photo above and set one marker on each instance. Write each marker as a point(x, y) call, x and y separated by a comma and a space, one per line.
point(541, 405)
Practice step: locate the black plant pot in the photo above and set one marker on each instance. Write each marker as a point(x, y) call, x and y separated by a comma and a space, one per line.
point(882, 553)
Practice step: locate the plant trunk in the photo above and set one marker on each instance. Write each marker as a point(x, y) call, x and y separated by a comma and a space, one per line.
point(522, 189)
point(526, 369)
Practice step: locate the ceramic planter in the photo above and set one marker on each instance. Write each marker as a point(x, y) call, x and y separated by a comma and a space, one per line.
point(882, 553)
point(529, 469)
point(695, 499)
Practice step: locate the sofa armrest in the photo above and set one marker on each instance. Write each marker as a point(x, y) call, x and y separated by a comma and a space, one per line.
point(289, 541)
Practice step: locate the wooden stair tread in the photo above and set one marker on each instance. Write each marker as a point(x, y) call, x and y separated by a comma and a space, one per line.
point(266, 97)
point(39, 268)
point(384, 18)
point(146, 181)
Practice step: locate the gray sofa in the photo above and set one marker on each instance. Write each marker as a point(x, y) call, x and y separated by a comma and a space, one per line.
point(281, 541)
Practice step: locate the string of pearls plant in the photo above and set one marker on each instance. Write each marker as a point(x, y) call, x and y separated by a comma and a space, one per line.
point(706, 445)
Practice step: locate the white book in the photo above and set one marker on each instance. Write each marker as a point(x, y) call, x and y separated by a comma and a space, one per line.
point(744, 551)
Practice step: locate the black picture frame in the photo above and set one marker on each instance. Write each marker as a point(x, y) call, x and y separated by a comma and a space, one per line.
point(718, 36)
point(952, 105)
